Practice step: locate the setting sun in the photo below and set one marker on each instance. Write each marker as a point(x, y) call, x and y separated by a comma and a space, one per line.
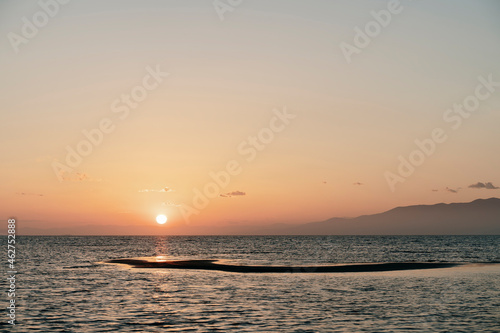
point(161, 219)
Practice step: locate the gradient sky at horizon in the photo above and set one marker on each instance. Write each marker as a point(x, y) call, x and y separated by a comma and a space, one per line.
point(225, 79)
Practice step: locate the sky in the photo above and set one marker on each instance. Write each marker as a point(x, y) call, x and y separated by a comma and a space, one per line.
point(220, 113)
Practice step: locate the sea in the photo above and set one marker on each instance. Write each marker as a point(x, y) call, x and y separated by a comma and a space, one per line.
point(65, 284)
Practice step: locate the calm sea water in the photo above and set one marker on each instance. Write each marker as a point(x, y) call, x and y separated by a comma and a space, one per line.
point(64, 286)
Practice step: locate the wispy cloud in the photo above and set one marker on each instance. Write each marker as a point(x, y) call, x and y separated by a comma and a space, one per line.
point(237, 193)
point(488, 186)
point(453, 190)
point(232, 194)
point(165, 190)
point(35, 194)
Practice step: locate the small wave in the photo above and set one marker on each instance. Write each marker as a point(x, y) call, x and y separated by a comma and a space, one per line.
point(81, 266)
point(155, 323)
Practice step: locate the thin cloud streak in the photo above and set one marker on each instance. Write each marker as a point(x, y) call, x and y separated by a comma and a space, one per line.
point(487, 186)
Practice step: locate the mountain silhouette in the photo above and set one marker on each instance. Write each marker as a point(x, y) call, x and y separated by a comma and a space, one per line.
point(478, 217)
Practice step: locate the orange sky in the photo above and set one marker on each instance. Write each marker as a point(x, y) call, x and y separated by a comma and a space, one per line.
point(150, 99)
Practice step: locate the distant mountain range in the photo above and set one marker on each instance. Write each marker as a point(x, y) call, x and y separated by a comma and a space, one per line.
point(479, 217)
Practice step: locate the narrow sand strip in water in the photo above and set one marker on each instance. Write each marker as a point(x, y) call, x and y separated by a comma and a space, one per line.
point(339, 268)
